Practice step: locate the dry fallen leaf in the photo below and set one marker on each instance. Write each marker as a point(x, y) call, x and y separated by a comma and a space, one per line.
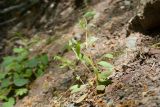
point(81, 98)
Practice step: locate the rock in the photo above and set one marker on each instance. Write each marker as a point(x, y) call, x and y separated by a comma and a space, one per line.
point(131, 42)
point(148, 17)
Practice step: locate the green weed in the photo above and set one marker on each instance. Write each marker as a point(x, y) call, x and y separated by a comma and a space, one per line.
point(96, 67)
point(101, 69)
point(17, 71)
point(83, 24)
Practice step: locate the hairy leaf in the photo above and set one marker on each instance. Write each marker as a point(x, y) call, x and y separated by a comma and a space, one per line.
point(20, 81)
point(39, 72)
point(8, 60)
point(103, 76)
point(21, 91)
point(89, 15)
point(44, 59)
point(5, 83)
point(2, 75)
point(9, 103)
point(32, 63)
point(106, 65)
point(18, 50)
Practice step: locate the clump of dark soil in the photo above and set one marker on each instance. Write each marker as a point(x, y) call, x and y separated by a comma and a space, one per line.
point(147, 19)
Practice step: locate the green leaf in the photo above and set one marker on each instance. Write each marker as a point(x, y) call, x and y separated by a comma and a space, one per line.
point(44, 59)
point(83, 23)
point(89, 15)
point(22, 56)
point(21, 91)
point(18, 67)
point(110, 56)
point(77, 51)
point(103, 76)
point(57, 57)
point(19, 50)
point(100, 87)
point(14, 66)
point(28, 73)
point(5, 91)
point(106, 65)
point(2, 97)
point(78, 78)
point(9, 103)
point(32, 63)
point(39, 73)
point(8, 60)
point(16, 75)
point(2, 75)
point(5, 83)
point(87, 60)
point(20, 81)
point(76, 88)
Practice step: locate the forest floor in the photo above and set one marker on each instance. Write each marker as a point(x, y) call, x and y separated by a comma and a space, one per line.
point(136, 76)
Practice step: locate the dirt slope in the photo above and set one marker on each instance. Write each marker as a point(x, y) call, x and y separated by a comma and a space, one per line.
point(136, 79)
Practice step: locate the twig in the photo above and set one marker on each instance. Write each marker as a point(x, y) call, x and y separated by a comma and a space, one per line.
point(6, 10)
point(8, 21)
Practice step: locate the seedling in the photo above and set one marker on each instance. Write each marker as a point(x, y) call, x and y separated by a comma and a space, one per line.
point(101, 76)
point(83, 23)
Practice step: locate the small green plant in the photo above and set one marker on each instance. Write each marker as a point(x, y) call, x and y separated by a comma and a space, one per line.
point(101, 76)
point(83, 23)
point(102, 69)
point(17, 71)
